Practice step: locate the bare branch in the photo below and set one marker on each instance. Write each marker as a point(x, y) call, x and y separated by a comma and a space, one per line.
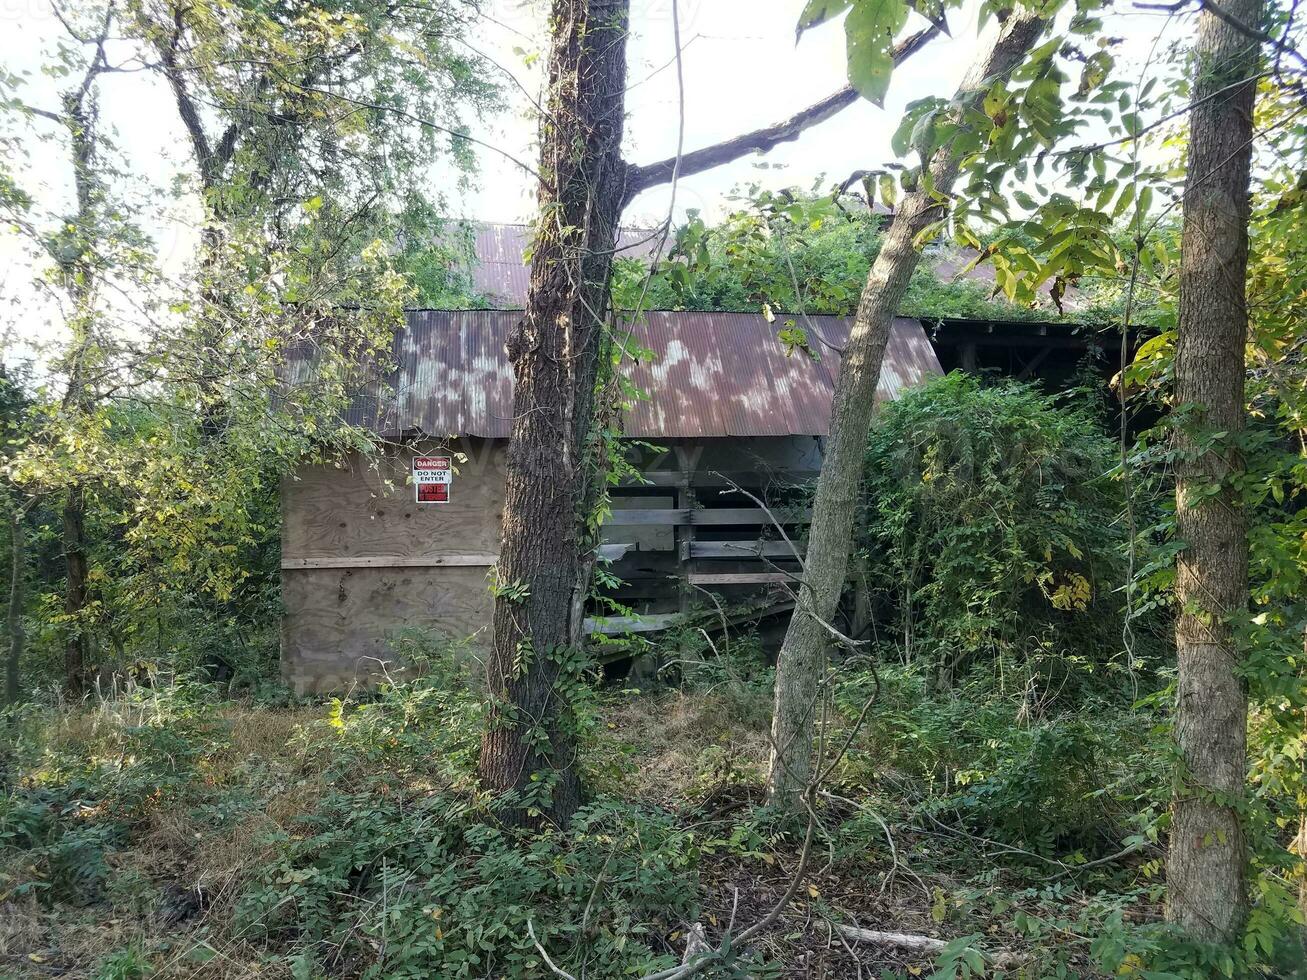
point(639, 179)
point(1281, 45)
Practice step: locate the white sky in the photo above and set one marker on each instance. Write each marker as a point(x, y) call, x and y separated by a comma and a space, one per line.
point(742, 70)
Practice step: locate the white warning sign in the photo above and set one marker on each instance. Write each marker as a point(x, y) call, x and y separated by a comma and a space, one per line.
point(432, 478)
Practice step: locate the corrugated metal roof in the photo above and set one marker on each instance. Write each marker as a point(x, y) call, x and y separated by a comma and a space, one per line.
point(712, 375)
point(499, 272)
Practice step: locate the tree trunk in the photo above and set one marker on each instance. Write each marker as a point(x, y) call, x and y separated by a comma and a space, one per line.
point(800, 667)
point(74, 542)
point(81, 121)
point(17, 581)
point(528, 749)
point(1301, 850)
point(1206, 864)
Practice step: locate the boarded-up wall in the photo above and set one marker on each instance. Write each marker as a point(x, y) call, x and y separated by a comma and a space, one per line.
point(362, 560)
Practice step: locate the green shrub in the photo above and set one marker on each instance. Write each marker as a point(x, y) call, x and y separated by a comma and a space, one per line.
point(418, 887)
point(1071, 780)
point(991, 530)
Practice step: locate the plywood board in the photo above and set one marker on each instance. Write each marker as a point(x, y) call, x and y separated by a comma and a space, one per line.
point(362, 509)
point(340, 625)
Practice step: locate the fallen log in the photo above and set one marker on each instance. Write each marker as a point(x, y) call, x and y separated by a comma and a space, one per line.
point(914, 943)
point(900, 940)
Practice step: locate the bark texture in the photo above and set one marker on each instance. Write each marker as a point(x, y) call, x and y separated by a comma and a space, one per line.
point(75, 591)
point(1206, 865)
point(528, 747)
point(802, 657)
point(17, 582)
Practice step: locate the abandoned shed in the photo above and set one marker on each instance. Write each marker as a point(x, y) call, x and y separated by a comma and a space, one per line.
point(372, 546)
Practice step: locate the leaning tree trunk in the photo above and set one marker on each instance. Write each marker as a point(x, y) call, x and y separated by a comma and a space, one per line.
point(1206, 863)
point(799, 669)
point(528, 750)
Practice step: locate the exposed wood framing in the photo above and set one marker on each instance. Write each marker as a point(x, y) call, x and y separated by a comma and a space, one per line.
point(741, 549)
point(389, 561)
point(741, 578)
point(704, 516)
point(747, 478)
point(686, 499)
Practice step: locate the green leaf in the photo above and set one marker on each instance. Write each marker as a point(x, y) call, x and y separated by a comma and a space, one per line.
point(869, 30)
point(817, 12)
point(888, 190)
point(905, 136)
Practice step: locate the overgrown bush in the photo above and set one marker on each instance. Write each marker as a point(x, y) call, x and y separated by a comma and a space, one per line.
point(1052, 783)
point(992, 531)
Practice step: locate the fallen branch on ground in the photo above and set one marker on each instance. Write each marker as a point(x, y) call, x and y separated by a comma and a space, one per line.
point(923, 944)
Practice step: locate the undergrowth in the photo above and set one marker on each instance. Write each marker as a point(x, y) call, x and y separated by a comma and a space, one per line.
point(167, 833)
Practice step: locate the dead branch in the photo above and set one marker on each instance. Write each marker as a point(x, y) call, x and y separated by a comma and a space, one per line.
point(1004, 959)
point(641, 178)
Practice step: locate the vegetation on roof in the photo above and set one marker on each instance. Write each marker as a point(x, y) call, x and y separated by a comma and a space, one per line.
point(791, 252)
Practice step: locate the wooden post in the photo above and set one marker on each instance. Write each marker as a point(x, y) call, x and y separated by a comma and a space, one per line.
point(967, 358)
point(687, 500)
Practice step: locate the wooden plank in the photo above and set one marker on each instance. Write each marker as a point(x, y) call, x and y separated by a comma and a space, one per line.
point(617, 625)
point(389, 561)
point(706, 516)
point(742, 578)
point(742, 549)
point(634, 517)
point(657, 478)
point(745, 478)
point(656, 622)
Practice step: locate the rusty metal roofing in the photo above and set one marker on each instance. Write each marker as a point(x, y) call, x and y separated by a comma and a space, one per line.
point(711, 375)
point(500, 273)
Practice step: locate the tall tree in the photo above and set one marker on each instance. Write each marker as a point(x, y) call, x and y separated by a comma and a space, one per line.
point(527, 747)
point(1207, 860)
point(527, 750)
point(337, 112)
point(801, 664)
point(78, 251)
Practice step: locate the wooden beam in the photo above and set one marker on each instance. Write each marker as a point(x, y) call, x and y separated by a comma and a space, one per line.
point(745, 478)
point(617, 625)
point(741, 549)
point(636, 517)
point(703, 516)
point(686, 499)
point(747, 515)
point(1033, 363)
point(741, 578)
point(389, 561)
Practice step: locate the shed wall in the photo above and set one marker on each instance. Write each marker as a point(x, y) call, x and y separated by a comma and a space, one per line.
point(362, 560)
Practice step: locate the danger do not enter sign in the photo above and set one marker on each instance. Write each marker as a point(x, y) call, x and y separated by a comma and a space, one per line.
point(432, 477)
